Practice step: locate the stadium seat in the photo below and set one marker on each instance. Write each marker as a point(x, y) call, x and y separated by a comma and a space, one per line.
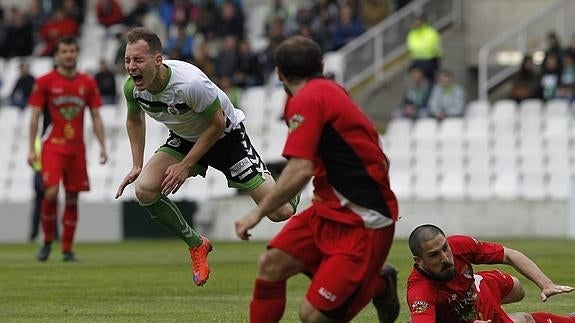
point(452, 185)
point(530, 108)
point(532, 186)
point(425, 186)
point(477, 109)
point(275, 103)
point(252, 102)
point(559, 186)
point(505, 186)
point(504, 110)
point(556, 108)
point(478, 186)
point(41, 65)
point(451, 128)
point(424, 129)
point(476, 129)
point(401, 184)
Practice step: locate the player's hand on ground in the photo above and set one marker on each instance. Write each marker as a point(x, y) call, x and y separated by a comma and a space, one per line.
point(245, 223)
point(554, 290)
point(176, 175)
point(129, 179)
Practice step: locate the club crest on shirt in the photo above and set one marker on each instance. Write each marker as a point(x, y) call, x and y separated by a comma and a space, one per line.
point(175, 142)
point(173, 110)
point(295, 121)
point(419, 307)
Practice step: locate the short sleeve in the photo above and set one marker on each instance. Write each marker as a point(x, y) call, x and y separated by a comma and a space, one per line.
point(202, 96)
point(305, 120)
point(94, 99)
point(37, 97)
point(131, 102)
point(476, 251)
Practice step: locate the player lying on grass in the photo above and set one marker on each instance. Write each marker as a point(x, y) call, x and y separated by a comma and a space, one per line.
point(443, 287)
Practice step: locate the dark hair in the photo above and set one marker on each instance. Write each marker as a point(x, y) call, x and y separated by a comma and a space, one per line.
point(421, 234)
point(146, 35)
point(299, 58)
point(66, 40)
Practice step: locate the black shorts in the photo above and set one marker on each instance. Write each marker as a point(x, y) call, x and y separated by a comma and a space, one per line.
point(232, 155)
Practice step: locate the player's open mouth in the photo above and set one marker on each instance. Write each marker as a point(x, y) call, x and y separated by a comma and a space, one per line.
point(138, 79)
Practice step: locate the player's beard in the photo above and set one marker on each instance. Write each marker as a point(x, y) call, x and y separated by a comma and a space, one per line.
point(447, 273)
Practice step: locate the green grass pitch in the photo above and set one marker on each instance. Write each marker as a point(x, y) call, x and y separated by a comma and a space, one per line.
point(150, 281)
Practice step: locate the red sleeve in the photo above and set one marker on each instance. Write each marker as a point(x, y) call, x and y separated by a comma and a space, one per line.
point(94, 99)
point(420, 300)
point(305, 120)
point(38, 97)
point(476, 251)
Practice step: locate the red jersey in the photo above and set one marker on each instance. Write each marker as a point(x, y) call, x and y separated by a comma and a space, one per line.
point(351, 182)
point(66, 99)
point(432, 301)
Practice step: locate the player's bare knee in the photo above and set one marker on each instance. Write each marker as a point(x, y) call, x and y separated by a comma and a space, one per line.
point(516, 294)
point(144, 193)
point(51, 194)
point(521, 317)
point(309, 314)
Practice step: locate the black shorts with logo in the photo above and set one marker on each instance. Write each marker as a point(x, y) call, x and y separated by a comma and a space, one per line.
point(232, 154)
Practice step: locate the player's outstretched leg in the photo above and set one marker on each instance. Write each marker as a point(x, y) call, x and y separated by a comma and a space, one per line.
point(387, 303)
point(199, 255)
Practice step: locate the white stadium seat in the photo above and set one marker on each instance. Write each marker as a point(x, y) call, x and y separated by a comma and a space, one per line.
point(477, 109)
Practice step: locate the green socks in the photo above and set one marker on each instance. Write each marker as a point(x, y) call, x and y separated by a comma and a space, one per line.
point(167, 213)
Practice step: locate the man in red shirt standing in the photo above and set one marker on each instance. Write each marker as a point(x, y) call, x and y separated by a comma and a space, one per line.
point(343, 239)
point(443, 287)
point(65, 92)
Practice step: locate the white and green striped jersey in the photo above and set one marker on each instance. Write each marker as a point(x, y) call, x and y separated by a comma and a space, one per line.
point(185, 103)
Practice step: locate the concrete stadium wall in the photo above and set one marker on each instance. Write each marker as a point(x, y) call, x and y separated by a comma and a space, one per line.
point(102, 222)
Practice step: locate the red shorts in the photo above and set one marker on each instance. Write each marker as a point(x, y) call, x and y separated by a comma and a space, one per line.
point(343, 260)
point(69, 167)
point(494, 285)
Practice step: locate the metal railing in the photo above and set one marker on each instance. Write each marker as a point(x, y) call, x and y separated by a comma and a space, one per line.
point(516, 39)
point(365, 56)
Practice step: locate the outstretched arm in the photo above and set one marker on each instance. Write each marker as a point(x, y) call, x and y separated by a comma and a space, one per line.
point(293, 178)
point(529, 269)
point(136, 128)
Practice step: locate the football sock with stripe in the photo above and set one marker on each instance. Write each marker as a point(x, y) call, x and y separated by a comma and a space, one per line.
point(69, 220)
point(167, 213)
point(268, 301)
point(48, 219)
point(542, 317)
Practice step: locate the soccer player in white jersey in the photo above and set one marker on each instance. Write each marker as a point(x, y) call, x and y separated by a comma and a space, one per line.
point(205, 130)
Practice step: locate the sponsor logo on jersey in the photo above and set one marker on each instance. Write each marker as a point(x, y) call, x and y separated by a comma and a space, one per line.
point(240, 166)
point(295, 121)
point(175, 142)
point(419, 307)
point(327, 294)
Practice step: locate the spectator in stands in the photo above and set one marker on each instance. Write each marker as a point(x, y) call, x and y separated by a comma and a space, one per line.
point(415, 96)
point(59, 25)
point(424, 45)
point(227, 58)
point(204, 58)
point(570, 50)
point(553, 46)
point(275, 35)
point(106, 81)
point(249, 70)
point(277, 10)
point(373, 12)
point(322, 28)
point(109, 13)
point(23, 87)
point(566, 88)
point(303, 17)
point(347, 27)
point(525, 81)
point(549, 78)
point(230, 21)
point(19, 35)
point(74, 9)
point(447, 98)
point(207, 19)
point(181, 45)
